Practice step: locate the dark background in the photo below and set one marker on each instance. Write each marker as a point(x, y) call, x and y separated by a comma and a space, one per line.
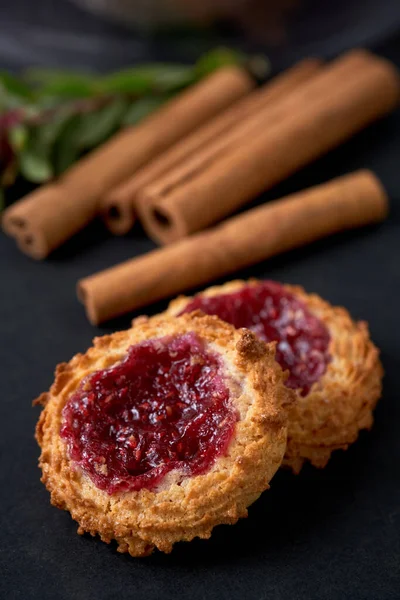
point(328, 534)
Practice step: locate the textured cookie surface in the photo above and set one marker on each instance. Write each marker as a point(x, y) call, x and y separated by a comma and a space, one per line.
point(104, 457)
point(342, 370)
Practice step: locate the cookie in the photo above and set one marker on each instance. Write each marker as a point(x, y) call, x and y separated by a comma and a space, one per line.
point(332, 363)
point(159, 433)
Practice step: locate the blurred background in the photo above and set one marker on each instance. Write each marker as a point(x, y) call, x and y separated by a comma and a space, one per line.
point(104, 34)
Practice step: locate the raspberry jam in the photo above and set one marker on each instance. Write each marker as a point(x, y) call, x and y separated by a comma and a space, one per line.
point(164, 407)
point(275, 314)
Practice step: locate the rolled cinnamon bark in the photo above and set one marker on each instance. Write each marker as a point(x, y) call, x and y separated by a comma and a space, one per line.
point(118, 207)
point(351, 201)
point(353, 91)
point(42, 221)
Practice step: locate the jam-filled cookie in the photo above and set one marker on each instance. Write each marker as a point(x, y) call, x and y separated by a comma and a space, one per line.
point(332, 362)
point(163, 431)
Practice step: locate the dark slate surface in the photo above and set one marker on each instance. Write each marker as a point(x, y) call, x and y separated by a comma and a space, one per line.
point(331, 534)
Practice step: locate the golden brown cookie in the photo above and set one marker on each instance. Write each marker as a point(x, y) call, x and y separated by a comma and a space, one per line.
point(158, 433)
point(333, 364)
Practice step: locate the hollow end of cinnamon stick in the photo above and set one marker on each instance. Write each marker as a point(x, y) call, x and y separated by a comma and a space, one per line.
point(32, 244)
point(13, 225)
point(45, 218)
point(29, 239)
point(118, 215)
point(161, 224)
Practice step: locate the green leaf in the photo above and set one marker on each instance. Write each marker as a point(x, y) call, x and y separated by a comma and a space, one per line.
point(50, 130)
point(215, 59)
point(129, 81)
point(34, 146)
point(35, 167)
point(48, 103)
point(17, 137)
point(97, 126)
point(147, 78)
point(15, 86)
point(74, 87)
point(66, 148)
point(35, 156)
point(9, 101)
point(62, 84)
point(173, 77)
point(141, 108)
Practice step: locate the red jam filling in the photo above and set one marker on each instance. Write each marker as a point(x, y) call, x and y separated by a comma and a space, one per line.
point(166, 406)
point(275, 314)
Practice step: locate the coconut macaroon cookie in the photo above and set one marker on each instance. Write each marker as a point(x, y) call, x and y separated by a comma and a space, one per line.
point(158, 433)
point(332, 362)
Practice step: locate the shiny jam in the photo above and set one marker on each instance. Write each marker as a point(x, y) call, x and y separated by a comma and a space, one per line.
point(275, 314)
point(165, 406)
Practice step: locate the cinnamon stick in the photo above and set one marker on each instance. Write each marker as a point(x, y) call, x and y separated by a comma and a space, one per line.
point(350, 201)
point(118, 207)
point(42, 221)
point(353, 91)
